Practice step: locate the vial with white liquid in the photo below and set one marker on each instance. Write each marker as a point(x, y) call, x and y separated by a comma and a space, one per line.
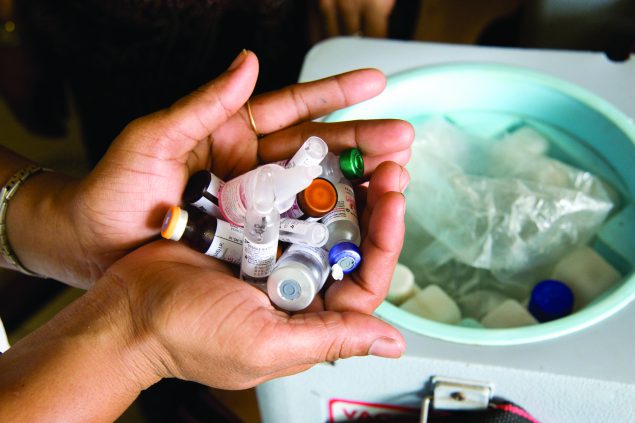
point(201, 192)
point(298, 277)
point(262, 223)
point(204, 233)
point(295, 231)
point(237, 195)
point(311, 153)
point(315, 201)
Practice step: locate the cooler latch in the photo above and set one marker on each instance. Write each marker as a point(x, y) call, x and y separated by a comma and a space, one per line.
point(456, 395)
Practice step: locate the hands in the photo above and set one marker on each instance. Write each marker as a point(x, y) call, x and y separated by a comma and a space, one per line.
point(165, 310)
point(120, 205)
point(330, 18)
point(208, 326)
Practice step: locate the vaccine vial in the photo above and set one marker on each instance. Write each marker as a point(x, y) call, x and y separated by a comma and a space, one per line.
point(311, 153)
point(349, 165)
point(298, 277)
point(315, 201)
point(342, 222)
point(201, 192)
point(237, 195)
point(204, 233)
point(344, 234)
point(262, 224)
point(295, 231)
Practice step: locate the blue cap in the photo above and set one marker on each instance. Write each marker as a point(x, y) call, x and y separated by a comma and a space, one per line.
point(346, 254)
point(550, 300)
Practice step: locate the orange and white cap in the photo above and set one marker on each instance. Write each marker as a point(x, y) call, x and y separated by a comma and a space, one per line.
point(174, 223)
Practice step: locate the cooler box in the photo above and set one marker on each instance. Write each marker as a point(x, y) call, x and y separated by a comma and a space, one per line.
point(575, 369)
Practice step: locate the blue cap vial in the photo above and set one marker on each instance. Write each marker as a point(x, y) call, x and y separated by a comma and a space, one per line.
point(346, 255)
point(550, 300)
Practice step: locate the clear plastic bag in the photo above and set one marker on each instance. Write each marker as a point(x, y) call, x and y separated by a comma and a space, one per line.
point(500, 205)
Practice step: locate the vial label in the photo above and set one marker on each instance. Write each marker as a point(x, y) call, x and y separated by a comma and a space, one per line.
point(319, 253)
point(208, 203)
point(232, 203)
point(258, 261)
point(345, 208)
point(227, 244)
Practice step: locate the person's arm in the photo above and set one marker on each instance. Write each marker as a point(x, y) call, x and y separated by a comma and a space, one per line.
point(86, 364)
point(39, 222)
point(166, 310)
point(74, 230)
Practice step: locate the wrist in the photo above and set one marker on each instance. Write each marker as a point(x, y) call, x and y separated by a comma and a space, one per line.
point(89, 355)
point(42, 233)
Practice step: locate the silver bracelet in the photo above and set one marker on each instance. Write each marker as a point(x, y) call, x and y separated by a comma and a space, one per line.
point(7, 192)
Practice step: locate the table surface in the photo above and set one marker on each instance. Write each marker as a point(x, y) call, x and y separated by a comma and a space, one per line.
point(602, 351)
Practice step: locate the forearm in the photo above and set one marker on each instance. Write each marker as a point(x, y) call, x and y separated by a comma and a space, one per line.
point(39, 224)
point(87, 364)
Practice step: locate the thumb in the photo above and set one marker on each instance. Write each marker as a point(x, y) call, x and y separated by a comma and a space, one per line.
point(176, 130)
point(328, 336)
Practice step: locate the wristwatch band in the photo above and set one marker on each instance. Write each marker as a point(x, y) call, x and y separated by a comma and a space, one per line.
point(7, 192)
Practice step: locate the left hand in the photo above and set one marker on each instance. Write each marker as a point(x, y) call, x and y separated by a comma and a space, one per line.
point(201, 323)
point(120, 205)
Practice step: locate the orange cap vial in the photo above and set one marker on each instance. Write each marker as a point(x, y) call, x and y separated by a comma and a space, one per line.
point(317, 199)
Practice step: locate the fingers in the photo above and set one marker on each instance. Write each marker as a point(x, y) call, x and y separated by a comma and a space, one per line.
point(379, 140)
point(175, 131)
point(328, 336)
point(366, 288)
point(297, 103)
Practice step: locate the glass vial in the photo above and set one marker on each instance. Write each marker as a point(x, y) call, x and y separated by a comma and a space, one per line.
point(204, 233)
point(315, 201)
point(201, 192)
point(298, 277)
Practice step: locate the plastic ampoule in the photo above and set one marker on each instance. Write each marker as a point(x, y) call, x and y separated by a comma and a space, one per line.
point(237, 195)
point(204, 233)
point(295, 231)
point(262, 223)
point(298, 277)
point(202, 192)
point(342, 222)
point(311, 153)
point(314, 202)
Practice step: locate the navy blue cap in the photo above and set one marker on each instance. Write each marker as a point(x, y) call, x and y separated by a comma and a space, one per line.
point(550, 300)
point(346, 254)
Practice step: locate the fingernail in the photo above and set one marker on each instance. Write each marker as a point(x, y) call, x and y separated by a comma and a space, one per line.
point(238, 60)
point(404, 179)
point(386, 347)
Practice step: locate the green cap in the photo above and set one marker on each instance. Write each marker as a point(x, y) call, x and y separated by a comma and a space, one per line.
point(352, 163)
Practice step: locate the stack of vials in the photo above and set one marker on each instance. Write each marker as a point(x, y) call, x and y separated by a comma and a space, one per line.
point(306, 201)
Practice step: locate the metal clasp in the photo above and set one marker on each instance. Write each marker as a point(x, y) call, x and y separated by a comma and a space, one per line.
point(456, 394)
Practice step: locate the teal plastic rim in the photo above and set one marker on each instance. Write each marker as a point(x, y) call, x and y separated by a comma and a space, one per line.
point(588, 316)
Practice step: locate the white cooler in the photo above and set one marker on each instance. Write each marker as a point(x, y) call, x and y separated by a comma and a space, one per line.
point(581, 370)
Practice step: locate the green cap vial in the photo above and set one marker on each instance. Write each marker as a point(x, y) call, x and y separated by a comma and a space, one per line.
point(352, 163)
